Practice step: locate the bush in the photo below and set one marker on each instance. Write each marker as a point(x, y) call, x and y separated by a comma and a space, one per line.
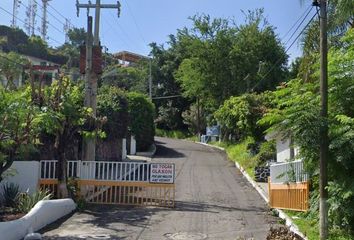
point(141, 116)
point(10, 194)
point(112, 103)
point(26, 201)
point(267, 152)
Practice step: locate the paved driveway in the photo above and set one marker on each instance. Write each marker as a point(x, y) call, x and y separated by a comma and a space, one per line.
point(214, 201)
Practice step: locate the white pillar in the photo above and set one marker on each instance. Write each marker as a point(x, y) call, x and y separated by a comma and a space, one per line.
point(124, 149)
point(132, 145)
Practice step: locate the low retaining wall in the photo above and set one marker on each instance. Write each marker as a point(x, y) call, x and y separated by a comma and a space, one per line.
point(43, 213)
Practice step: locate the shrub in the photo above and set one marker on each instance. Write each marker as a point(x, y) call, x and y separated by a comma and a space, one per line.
point(113, 104)
point(267, 152)
point(141, 116)
point(10, 194)
point(27, 201)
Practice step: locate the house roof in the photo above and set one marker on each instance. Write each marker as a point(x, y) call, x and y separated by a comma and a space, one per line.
point(129, 56)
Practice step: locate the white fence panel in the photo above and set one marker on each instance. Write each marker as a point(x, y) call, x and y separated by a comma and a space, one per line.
point(98, 170)
point(288, 172)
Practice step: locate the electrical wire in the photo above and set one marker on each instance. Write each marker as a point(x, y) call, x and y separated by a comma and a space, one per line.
point(136, 24)
point(122, 29)
point(10, 60)
point(21, 20)
point(280, 59)
point(118, 34)
point(298, 27)
point(41, 17)
point(292, 27)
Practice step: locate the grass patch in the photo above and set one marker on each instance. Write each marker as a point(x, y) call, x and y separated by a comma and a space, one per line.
point(310, 227)
point(238, 152)
point(177, 134)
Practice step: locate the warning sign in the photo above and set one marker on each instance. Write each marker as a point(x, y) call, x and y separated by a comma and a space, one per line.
point(162, 173)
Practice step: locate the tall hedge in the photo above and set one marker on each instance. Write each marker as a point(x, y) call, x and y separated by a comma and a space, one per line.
point(141, 114)
point(112, 102)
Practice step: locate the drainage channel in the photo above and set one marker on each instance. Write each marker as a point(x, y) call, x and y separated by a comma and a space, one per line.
point(185, 236)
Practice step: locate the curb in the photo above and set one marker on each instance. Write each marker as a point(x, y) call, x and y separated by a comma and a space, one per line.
point(288, 221)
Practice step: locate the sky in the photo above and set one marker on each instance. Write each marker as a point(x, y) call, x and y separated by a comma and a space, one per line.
point(144, 21)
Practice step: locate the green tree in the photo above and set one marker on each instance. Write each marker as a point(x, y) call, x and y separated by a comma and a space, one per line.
point(238, 116)
point(63, 116)
point(11, 68)
point(19, 132)
point(297, 114)
point(141, 116)
point(127, 78)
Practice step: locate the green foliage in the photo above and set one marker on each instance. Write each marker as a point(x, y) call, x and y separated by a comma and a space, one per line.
point(77, 36)
point(193, 121)
point(141, 113)
point(267, 152)
point(239, 115)
point(11, 69)
point(297, 115)
point(18, 41)
point(27, 201)
point(112, 103)
point(172, 134)
point(127, 78)
point(18, 130)
point(238, 152)
point(10, 194)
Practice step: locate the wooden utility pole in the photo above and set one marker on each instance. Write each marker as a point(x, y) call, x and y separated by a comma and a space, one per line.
point(91, 77)
point(324, 142)
point(89, 149)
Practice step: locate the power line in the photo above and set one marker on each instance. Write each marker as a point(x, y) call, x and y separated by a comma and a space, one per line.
point(10, 60)
point(280, 59)
point(17, 18)
point(118, 34)
point(122, 29)
point(302, 15)
point(298, 26)
point(42, 16)
point(136, 24)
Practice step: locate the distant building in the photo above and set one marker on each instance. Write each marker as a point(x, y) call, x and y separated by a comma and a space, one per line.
point(286, 150)
point(45, 71)
point(126, 58)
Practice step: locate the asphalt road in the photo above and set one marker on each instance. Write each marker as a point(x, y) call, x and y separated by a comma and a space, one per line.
point(213, 201)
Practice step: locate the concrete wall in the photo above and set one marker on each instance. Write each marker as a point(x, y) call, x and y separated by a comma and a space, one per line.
point(43, 213)
point(26, 175)
point(283, 149)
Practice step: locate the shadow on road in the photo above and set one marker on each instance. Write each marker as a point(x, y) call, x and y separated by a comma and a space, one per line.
point(166, 152)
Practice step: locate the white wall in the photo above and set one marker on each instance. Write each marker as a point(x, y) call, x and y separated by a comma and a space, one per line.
point(43, 213)
point(26, 175)
point(283, 149)
point(132, 145)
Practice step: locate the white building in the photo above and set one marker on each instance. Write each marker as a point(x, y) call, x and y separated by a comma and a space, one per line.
point(286, 150)
point(44, 71)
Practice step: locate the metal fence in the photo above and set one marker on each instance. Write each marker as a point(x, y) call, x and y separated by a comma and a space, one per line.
point(123, 183)
point(288, 172)
point(93, 170)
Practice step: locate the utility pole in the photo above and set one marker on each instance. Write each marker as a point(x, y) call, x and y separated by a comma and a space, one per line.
point(16, 5)
point(66, 28)
point(44, 27)
point(91, 77)
point(324, 142)
point(88, 149)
